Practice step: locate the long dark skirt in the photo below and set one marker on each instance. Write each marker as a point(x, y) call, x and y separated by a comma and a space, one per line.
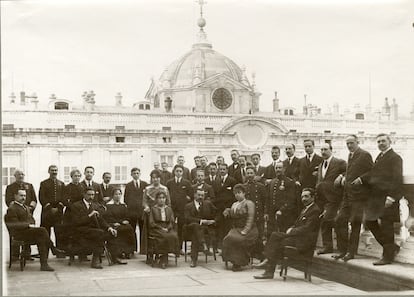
point(124, 242)
point(237, 247)
point(165, 242)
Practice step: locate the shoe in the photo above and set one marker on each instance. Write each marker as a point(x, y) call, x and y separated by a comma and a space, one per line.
point(236, 268)
point(120, 261)
point(193, 264)
point(325, 251)
point(265, 275)
point(97, 266)
point(128, 256)
point(348, 257)
point(339, 256)
point(60, 255)
point(261, 265)
point(383, 261)
point(46, 267)
point(95, 262)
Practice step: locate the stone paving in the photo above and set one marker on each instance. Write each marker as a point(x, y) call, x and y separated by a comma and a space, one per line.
point(137, 278)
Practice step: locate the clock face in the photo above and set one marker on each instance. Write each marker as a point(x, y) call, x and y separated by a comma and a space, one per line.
point(222, 98)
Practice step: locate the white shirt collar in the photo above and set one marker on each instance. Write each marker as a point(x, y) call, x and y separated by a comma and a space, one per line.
point(386, 150)
point(86, 203)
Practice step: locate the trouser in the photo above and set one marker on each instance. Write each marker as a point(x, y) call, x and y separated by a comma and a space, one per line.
point(58, 229)
point(180, 224)
point(40, 237)
point(197, 238)
point(274, 248)
point(134, 221)
point(384, 234)
point(328, 223)
point(93, 238)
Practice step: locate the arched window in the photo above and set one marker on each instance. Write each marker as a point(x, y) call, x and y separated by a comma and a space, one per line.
point(147, 106)
point(61, 105)
point(290, 111)
point(141, 106)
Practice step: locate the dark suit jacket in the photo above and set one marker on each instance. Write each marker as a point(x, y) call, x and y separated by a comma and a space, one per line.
point(166, 176)
point(207, 211)
point(385, 179)
point(232, 168)
point(325, 186)
point(178, 195)
point(133, 199)
point(306, 179)
point(51, 197)
point(106, 193)
point(306, 228)
point(72, 193)
point(81, 220)
point(12, 188)
point(359, 164)
point(208, 190)
point(261, 171)
point(208, 181)
point(292, 169)
point(186, 174)
point(224, 193)
point(17, 218)
point(238, 176)
point(270, 172)
point(96, 187)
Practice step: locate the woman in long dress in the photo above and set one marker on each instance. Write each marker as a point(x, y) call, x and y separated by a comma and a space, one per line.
point(161, 222)
point(243, 234)
point(116, 215)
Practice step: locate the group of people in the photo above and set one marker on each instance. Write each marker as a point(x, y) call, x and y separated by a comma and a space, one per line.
point(242, 210)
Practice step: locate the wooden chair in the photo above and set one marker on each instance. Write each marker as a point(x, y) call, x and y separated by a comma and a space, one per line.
point(153, 255)
point(21, 245)
point(211, 241)
point(303, 260)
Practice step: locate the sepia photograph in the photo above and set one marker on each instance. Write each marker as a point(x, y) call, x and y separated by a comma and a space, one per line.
point(207, 147)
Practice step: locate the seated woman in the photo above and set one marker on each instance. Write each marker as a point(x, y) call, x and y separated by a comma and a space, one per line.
point(116, 215)
point(161, 220)
point(243, 235)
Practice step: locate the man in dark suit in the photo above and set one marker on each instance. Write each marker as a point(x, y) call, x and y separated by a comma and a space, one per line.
point(197, 162)
point(202, 185)
point(308, 166)
point(302, 235)
point(31, 200)
point(89, 172)
point(212, 176)
point(223, 189)
point(219, 160)
point(133, 199)
point(165, 174)
point(240, 173)
point(329, 194)
point(234, 154)
point(180, 194)
point(385, 180)
point(21, 225)
point(291, 164)
point(186, 173)
point(260, 170)
point(270, 169)
point(353, 202)
point(89, 227)
point(200, 218)
point(51, 197)
point(106, 189)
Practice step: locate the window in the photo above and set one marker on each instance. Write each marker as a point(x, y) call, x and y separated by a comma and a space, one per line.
point(286, 112)
point(119, 127)
point(141, 106)
point(119, 163)
point(327, 131)
point(167, 158)
point(290, 111)
point(69, 126)
point(166, 128)
point(61, 106)
point(66, 173)
point(8, 176)
point(8, 126)
point(120, 139)
point(208, 129)
point(292, 130)
point(166, 139)
point(120, 173)
point(69, 161)
point(11, 161)
point(359, 116)
point(147, 107)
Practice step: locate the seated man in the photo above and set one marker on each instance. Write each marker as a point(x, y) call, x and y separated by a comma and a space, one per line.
point(21, 225)
point(200, 217)
point(301, 235)
point(88, 225)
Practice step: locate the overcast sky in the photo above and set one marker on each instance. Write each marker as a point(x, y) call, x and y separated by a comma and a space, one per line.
point(325, 49)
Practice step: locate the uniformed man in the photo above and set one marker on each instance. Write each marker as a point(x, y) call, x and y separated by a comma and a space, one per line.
point(31, 200)
point(165, 175)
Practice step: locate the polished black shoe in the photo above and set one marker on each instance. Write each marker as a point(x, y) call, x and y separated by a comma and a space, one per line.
point(56, 251)
point(46, 267)
point(348, 257)
point(265, 275)
point(261, 265)
point(338, 256)
point(236, 268)
point(120, 261)
point(96, 265)
point(382, 261)
point(324, 251)
point(193, 264)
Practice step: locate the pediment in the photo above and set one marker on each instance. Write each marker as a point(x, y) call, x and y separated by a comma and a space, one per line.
point(221, 80)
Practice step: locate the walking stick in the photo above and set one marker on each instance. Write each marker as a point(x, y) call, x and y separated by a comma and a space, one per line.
point(106, 251)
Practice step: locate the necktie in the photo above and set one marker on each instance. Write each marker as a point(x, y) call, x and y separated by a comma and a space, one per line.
point(105, 187)
point(222, 181)
point(325, 164)
point(379, 156)
point(350, 156)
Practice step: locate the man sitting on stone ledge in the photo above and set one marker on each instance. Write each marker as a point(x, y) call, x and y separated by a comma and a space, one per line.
point(21, 225)
point(301, 235)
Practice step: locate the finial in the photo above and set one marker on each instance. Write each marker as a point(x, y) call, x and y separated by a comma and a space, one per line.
point(201, 36)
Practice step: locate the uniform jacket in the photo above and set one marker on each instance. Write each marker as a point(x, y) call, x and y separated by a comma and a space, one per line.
point(306, 168)
point(257, 193)
point(178, 194)
point(385, 179)
point(133, 198)
point(292, 169)
point(51, 196)
point(224, 193)
point(325, 186)
point(207, 211)
point(12, 188)
point(359, 164)
point(281, 197)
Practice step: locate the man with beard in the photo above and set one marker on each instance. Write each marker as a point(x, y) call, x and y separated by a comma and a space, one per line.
point(233, 167)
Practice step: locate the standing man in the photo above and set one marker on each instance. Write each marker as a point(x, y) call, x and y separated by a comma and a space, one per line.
point(309, 165)
point(240, 173)
point(89, 183)
point(133, 199)
point(233, 167)
point(106, 188)
point(157, 166)
point(219, 160)
point(329, 194)
point(385, 180)
point(202, 185)
point(271, 169)
point(197, 163)
point(165, 175)
point(223, 189)
point(353, 203)
point(260, 170)
point(51, 196)
point(291, 164)
point(180, 193)
point(20, 184)
point(21, 225)
point(213, 174)
point(186, 173)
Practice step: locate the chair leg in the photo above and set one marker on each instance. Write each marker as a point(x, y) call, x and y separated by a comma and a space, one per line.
point(22, 258)
point(176, 262)
point(227, 265)
point(10, 253)
point(185, 250)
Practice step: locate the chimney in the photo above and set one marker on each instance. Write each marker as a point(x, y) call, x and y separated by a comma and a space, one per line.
point(276, 104)
point(118, 99)
point(34, 100)
point(394, 110)
point(12, 98)
point(168, 104)
point(22, 98)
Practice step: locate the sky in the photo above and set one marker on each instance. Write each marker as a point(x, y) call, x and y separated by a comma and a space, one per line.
point(328, 50)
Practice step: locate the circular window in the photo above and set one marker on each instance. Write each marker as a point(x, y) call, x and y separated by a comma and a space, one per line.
point(222, 98)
